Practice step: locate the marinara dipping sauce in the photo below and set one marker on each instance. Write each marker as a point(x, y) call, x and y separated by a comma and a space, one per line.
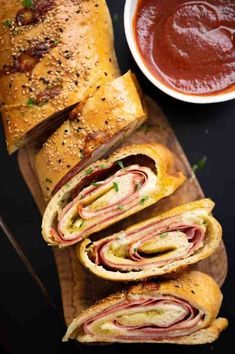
point(188, 45)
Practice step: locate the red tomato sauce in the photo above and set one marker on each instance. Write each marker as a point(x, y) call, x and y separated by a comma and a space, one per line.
point(188, 45)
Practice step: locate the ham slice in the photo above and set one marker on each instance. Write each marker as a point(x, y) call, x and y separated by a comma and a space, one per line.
point(140, 247)
point(161, 245)
point(159, 317)
point(104, 200)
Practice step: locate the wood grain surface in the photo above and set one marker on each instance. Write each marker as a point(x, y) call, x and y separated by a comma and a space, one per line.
point(79, 288)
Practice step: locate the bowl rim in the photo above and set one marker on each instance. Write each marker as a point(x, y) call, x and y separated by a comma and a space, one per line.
point(129, 11)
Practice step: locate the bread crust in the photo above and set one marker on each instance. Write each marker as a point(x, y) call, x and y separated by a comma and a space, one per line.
point(167, 182)
point(197, 288)
point(105, 119)
point(78, 55)
point(211, 242)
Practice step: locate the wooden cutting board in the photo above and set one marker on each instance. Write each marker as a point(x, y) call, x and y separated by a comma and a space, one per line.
point(79, 288)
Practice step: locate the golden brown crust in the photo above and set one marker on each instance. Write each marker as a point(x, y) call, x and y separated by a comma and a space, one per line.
point(166, 183)
point(112, 113)
point(211, 242)
point(77, 54)
point(198, 289)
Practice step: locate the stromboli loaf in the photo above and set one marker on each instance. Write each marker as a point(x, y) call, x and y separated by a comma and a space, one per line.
point(54, 54)
point(180, 311)
point(45, 98)
point(154, 247)
point(131, 179)
point(95, 126)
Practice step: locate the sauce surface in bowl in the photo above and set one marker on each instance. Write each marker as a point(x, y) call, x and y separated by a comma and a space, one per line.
point(188, 45)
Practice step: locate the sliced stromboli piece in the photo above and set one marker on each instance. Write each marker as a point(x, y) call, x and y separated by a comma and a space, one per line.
point(107, 191)
point(54, 54)
point(158, 246)
point(96, 126)
point(180, 311)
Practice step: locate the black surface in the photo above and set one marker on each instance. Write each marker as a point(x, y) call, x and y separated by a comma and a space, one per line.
point(27, 323)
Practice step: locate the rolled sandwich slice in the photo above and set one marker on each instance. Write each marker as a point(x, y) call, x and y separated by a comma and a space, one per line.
point(180, 311)
point(161, 245)
point(113, 112)
point(109, 190)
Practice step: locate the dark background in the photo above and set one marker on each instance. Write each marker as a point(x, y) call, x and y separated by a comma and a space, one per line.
point(27, 322)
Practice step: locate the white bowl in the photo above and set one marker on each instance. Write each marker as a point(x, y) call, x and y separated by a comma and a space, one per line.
point(129, 12)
